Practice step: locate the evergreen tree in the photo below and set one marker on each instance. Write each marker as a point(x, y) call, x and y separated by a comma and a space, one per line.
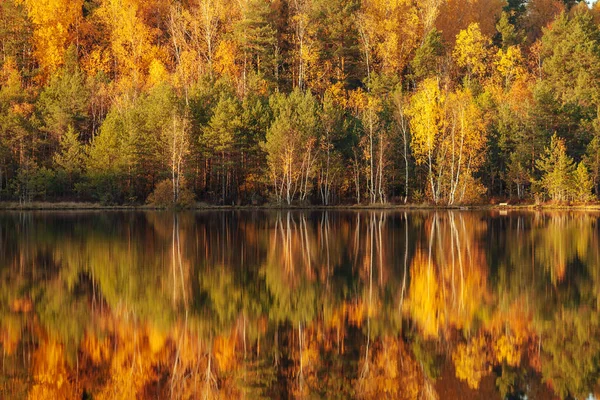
point(557, 170)
point(582, 184)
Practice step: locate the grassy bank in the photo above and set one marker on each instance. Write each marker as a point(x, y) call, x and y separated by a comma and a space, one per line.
point(204, 206)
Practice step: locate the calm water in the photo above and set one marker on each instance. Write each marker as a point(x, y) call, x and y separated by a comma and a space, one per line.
point(423, 305)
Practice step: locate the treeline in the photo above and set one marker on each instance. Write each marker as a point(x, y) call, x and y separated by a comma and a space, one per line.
point(299, 101)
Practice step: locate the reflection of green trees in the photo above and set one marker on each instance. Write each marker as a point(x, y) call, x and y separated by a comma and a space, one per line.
point(571, 352)
point(313, 303)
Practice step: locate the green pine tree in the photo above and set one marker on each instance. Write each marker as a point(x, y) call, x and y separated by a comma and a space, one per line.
point(557, 169)
point(582, 184)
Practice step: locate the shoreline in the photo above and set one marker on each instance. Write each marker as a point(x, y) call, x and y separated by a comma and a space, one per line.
point(87, 206)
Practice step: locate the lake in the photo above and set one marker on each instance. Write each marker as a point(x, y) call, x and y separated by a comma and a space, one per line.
point(304, 304)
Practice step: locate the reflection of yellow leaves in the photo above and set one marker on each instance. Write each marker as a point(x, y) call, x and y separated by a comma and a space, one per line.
point(356, 313)
point(50, 373)
point(21, 305)
point(507, 348)
point(471, 361)
point(98, 351)
point(156, 340)
point(393, 372)
point(10, 333)
point(224, 351)
point(423, 303)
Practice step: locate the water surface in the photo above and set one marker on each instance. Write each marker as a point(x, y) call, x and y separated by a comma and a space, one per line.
point(306, 304)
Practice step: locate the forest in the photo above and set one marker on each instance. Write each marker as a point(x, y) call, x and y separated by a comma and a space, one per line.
point(311, 102)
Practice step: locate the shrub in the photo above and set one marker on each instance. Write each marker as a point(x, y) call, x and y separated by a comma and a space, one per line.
point(162, 196)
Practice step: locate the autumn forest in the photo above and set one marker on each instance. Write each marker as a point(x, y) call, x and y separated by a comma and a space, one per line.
point(299, 101)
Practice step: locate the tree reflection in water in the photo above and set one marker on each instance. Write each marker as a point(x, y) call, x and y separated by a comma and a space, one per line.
point(305, 304)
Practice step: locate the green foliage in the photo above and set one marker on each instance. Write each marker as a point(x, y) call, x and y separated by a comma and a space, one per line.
point(582, 184)
point(507, 31)
point(557, 170)
point(64, 101)
point(71, 154)
point(426, 61)
point(592, 162)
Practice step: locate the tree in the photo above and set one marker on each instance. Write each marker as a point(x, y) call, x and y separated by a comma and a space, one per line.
point(464, 145)
point(517, 175)
point(557, 170)
point(427, 123)
point(592, 162)
point(471, 51)
point(176, 140)
point(64, 101)
point(255, 36)
point(402, 104)
point(570, 88)
point(457, 15)
point(582, 184)
point(393, 29)
point(221, 136)
point(52, 21)
point(427, 59)
point(131, 39)
point(290, 144)
point(70, 157)
point(332, 119)
point(373, 110)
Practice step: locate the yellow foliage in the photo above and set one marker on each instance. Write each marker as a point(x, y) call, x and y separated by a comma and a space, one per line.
point(471, 50)
point(427, 118)
point(393, 373)
point(52, 20)
point(456, 15)
point(10, 333)
point(157, 73)
point(510, 64)
point(98, 60)
point(225, 59)
point(393, 26)
point(131, 39)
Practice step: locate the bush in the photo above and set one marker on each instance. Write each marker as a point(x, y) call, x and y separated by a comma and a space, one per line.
point(162, 196)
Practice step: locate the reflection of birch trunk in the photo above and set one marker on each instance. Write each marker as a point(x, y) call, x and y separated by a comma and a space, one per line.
point(210, 382)
point(300, 346)
point(357, 237)
point(379, 244)
point(176, 259)
point(178, 358)
point(429, 258)
point(365, 370)
point(285, 231)
point(456, 237)
point(326, 235)
point(304, 232)
point(402, 293)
